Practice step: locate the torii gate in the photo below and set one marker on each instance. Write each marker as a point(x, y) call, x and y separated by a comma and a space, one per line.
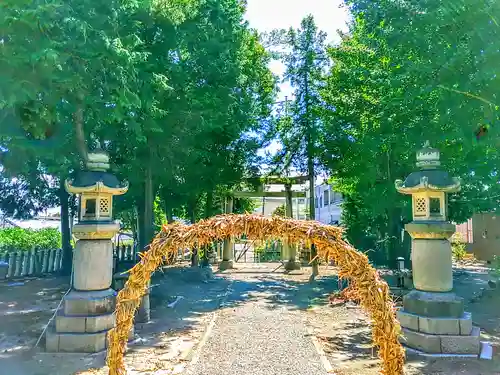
point(289, 253)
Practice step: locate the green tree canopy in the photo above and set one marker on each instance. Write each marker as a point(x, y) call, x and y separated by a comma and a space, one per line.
point(405, 73)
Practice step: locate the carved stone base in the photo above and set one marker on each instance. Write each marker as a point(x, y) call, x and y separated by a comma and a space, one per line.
point(81, 326)
point(435, 323)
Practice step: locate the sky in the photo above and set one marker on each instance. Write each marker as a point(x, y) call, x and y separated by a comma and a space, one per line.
point(266, 15)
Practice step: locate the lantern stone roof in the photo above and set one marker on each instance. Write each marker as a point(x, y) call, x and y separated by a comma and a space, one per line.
point(429, 177)
point(96, 178)
point(86, 179)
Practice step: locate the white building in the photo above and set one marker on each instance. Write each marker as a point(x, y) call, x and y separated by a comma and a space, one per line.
point(328, 204)
point(49, 219)
point(268, 205)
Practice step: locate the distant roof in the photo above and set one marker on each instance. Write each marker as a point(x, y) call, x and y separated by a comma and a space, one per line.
point(37, 223)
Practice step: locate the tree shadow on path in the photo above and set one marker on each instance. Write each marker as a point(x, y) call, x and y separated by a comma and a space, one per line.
point(173, 330)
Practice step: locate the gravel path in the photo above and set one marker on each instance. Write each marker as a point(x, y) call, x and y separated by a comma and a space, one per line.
point(259, 338)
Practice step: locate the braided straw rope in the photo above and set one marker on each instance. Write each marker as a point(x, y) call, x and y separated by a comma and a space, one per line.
point(373, 291)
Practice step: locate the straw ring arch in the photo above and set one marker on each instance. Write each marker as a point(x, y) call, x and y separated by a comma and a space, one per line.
point(372, 290)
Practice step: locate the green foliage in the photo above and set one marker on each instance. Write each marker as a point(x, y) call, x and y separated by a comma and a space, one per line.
point(244, 205)
point(27, 239)
point(267, 252)
point(401, 76)
point(159, 215)
point(280, 211)
point(458, 247)
point(26, 195)
point(298, 129)
point(180, 89)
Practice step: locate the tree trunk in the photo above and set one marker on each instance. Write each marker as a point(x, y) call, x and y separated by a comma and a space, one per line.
point(169, 212)
point(310, 170)
point(168, 198)
point(141, 238)
point(312, 205)
point(209, 204)
point(194, 250)
point(208, 213)
point(395, 248)
point(148, 223)
point(79, 132)
point(139, 219)
point(289, 201)
point(67, 250)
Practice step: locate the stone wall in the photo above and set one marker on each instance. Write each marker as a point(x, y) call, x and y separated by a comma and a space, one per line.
point(486, 235)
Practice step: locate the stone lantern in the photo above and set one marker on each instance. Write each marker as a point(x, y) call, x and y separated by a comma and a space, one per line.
point(433, 317)
point(82, 325)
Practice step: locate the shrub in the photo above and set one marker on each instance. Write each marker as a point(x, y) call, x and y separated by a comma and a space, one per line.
point(280, 211)
point(267, 252)
point(458, 247)
point(26, 239)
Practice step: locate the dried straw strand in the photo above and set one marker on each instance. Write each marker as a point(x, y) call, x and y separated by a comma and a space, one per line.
point(373, 292)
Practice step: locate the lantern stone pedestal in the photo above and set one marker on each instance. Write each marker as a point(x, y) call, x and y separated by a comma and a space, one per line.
point(433, 319)
point(87, 314)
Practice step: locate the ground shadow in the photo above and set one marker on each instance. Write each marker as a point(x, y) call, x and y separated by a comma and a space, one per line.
point(278, 291)
point(197, 298)
point(25, 307)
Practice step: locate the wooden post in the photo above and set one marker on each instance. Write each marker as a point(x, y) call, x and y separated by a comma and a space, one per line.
point(12, 264)
point(38, 262)
point(7, 260)
point(57, 260)
point(24, 263)
point(45, 261)
point(18, 264)
point(61, 256)
point(50, 266)
point(31, 261)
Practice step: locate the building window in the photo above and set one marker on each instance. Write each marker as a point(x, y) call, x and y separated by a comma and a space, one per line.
point(332, 197)
point(321, 201)
point(326, 200)
point(316, 202)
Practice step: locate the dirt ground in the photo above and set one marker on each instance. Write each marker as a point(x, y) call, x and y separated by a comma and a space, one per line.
point(164, 346)
point(345, 336)
point(160, 344)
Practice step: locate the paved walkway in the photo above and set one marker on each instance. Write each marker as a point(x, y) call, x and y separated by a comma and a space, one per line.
point(254, 335)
